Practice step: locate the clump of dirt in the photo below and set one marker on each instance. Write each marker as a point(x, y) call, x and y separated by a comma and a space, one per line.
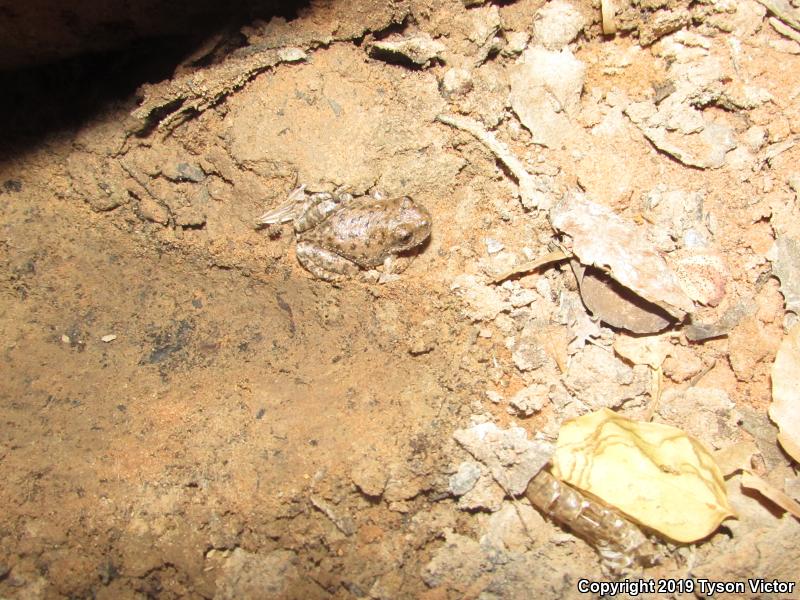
point(187, 412)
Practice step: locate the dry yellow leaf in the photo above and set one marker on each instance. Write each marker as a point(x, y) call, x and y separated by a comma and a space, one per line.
point(656, 474)
point(785, 408)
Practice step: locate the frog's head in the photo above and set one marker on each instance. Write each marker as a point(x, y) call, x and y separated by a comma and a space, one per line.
point(412, 225)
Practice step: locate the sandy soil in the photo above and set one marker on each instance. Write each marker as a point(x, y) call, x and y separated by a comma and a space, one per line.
point(253, 432)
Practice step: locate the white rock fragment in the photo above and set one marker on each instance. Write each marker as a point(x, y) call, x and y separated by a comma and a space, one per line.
point(684, 134)
point(510, 456)
point(493, 246)
point(456, 82)
point(108, 338)
point(483, 302)
point(249, 574)
point(420, 49)
point(463, 480)
point(523, 297)
point(556, 24)
point(755, 137)
point(494, 397)
point(545, 93)
point(516, 41)
point(702, 274)
point(528, 356)
point(485, 495)
point(370, 476)
point(486, 25)
point(707, 413)
point(505, 532)
point(600, 379)
point(678, 125)
point(529, 400)
point(291, 54)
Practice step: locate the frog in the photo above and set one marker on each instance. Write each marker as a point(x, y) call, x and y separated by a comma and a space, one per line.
point(340, 236)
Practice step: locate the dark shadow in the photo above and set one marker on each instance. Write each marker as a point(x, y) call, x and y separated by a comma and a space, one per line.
point(38, 101)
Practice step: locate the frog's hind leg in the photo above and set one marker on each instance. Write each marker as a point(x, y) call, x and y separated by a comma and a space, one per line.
point(324, 264)
point(318, 208)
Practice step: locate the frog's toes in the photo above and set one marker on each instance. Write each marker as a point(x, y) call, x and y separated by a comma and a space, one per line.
point(394, 264)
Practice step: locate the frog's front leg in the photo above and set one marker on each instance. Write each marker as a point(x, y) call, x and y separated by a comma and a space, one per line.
point(392, 266)
point(324, 264)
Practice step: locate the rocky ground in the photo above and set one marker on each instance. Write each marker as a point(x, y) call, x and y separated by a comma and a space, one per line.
point(188, 413)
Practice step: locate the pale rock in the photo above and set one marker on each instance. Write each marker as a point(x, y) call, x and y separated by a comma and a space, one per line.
point(556, 24)
point(248, 575)
point(706, 413)
point(153, 211)
point(529, 356)
point(510, 456)
point(457, 562)
point(598, 378)
point(485, 494)
point(682, 364)
point(529, 400)
point(419, 49)
point(483, 302)
point(465, 478)
point(545, 93)
point(522, 297)
point(493, 246)
point(370, 476)
point(494, 397)
point(516, 41)
point(510, 529)
point(456, 82)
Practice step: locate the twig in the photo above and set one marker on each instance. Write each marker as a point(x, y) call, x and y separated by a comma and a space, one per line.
point(782, 10)
point(657, 381)
point(531, 197)
point(532, 265)
point(784, 29)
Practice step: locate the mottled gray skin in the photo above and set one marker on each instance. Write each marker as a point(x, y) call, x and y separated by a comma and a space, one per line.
point(343, 237)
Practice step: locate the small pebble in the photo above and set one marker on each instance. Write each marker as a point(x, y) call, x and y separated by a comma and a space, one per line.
point(456, 82)
point(494, 397)
point(493, 246)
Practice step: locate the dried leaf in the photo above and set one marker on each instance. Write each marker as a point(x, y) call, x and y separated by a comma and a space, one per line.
point(616, 305)
point(785, 408)
point(581, 327)
point(656, 474)
point(752, 481)
point(736, 457)
point(617, 246)
point(786, 267)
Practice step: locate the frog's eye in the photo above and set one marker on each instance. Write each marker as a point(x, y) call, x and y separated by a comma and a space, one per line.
point(403, 235)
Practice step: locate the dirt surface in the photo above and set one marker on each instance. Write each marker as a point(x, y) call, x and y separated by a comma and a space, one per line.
point(186, 412)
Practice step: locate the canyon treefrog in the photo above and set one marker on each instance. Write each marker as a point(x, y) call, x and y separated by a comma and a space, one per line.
point(339, 236)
